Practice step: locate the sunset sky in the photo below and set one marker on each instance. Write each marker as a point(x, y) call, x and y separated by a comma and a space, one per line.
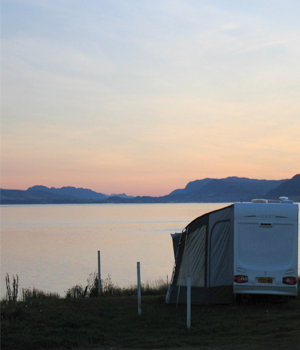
point(141, 97)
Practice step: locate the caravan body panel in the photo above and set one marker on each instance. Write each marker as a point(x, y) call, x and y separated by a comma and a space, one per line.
point(265, 248)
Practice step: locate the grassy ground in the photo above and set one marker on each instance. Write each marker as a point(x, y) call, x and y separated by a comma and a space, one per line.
point(113, 322)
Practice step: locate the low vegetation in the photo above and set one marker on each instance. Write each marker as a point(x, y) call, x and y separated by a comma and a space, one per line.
point(80, 321)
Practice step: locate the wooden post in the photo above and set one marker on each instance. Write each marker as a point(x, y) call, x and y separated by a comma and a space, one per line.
point(99, 275)
point(139, 289)
point(188, 303)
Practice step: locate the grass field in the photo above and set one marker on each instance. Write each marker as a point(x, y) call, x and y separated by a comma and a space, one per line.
point(113, 322)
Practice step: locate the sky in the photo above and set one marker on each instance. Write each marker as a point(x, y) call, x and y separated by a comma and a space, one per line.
point(142, 97)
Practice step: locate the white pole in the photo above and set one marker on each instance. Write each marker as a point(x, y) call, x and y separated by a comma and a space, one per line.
point(99, 275)
point(188, 303)
point(139, 289)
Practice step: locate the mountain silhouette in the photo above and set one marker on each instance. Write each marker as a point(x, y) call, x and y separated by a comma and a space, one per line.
point(208, 190)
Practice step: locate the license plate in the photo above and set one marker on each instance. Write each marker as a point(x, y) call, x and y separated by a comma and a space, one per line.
point(267, 280)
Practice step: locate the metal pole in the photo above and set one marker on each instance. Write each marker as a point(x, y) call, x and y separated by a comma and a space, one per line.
point(188, 303)
point(139, 289)
point(99, 275)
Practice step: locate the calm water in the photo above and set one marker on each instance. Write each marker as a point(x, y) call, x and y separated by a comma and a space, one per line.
point(54, 247)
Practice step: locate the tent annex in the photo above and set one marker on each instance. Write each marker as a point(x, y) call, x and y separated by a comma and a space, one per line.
point(204, 251)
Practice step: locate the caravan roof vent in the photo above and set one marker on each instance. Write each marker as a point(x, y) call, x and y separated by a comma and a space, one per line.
point(259, 201)
point(283, 198)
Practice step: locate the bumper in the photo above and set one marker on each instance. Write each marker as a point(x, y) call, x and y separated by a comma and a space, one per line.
point(264, 289)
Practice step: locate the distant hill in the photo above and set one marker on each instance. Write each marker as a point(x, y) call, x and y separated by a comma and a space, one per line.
point(29, 197)
point(120, 195)
point(46, 195)
point(227, 190)
point(192, 187)
point(230, 189)
point(289, 188)
point(71, 192)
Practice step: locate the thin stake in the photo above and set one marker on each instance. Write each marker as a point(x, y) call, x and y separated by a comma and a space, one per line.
point(139, 289)
point(99, 275)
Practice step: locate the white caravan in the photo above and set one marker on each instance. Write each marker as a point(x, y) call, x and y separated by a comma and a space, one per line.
point(266, 248)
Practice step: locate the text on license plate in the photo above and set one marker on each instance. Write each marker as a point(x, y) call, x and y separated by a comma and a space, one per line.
point(267, 280)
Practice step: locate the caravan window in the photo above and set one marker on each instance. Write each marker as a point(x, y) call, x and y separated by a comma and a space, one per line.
point(264, 246)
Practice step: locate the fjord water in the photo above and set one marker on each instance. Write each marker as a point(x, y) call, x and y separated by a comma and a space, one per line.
point(54, 247)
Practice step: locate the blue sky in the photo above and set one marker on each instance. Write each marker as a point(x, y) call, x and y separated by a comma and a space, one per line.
point(144, 96)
